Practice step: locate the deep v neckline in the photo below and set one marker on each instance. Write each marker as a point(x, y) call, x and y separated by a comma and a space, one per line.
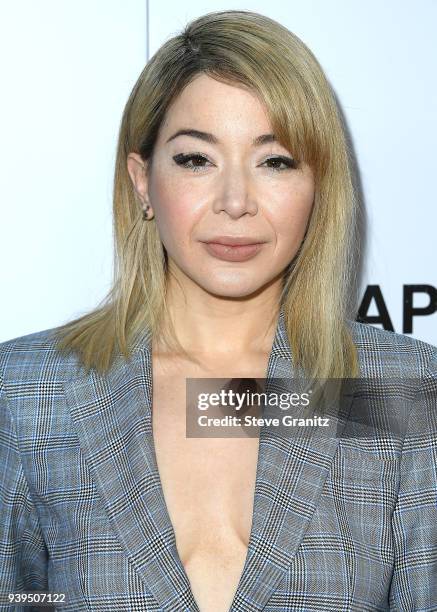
point(191, 570)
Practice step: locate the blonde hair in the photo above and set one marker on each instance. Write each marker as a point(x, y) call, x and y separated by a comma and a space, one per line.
point(250, 50)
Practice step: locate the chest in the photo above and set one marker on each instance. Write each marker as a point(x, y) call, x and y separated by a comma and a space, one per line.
point(208, 486)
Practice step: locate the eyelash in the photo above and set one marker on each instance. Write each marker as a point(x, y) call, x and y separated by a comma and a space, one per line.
point(182, 160)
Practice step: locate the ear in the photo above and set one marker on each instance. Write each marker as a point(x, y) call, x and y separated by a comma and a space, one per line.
point(136, 167)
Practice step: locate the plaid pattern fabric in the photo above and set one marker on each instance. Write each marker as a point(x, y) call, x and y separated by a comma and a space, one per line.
point(338, 523)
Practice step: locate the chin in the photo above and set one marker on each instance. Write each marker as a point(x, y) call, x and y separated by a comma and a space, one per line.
point(235, 287)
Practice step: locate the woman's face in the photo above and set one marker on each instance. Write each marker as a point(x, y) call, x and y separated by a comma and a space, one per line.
point(224, 182)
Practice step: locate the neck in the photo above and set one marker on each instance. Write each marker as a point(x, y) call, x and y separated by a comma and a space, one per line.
point(206, 324)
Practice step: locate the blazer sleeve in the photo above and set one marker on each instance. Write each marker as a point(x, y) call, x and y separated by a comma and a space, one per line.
point(23, 553)
point(414, 521)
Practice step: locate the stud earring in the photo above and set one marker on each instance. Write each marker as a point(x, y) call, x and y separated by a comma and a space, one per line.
point(146, 212)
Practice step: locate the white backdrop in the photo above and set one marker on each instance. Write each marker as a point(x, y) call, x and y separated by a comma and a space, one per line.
point(67, 71)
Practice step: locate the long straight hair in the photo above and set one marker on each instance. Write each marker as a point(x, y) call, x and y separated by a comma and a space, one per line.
point(253, 51)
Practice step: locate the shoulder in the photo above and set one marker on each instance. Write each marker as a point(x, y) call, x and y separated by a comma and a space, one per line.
point(35, 359)
point(385, 353)
point(399, 376)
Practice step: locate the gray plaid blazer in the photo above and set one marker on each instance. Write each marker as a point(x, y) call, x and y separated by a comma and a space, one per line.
point(339, 523)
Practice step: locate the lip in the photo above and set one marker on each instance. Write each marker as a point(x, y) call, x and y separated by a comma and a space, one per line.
point(234, 240)
point(236, 252)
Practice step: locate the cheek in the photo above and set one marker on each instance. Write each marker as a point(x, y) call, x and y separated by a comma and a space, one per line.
point(292, 216)
point(175, 214)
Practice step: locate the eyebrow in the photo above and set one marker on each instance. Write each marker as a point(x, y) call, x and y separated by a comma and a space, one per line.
point(207, 137)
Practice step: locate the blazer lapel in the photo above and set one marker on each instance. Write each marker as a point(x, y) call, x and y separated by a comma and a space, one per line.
point(291, 473)
point(113, 419)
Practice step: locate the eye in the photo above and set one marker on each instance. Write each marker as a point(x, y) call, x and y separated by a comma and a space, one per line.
point(289, 163)
point(193, 161)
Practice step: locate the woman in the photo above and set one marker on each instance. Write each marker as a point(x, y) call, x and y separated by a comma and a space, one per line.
point(234, 217)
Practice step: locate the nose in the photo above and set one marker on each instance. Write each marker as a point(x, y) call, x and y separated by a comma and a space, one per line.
point(236, 194)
